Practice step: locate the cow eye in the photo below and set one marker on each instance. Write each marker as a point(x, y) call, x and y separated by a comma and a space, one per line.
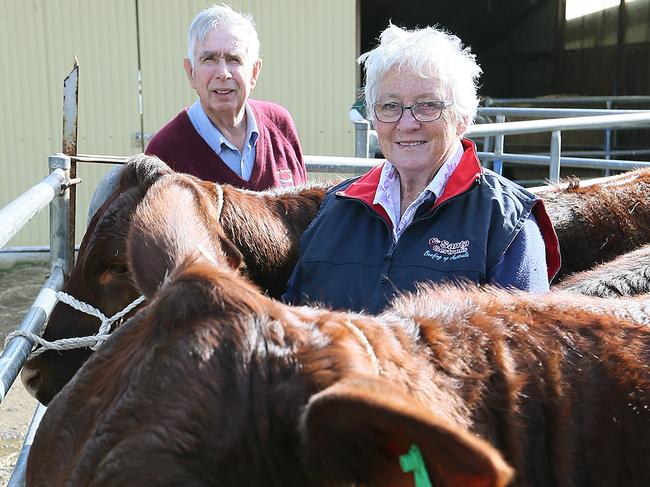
point(118, 268)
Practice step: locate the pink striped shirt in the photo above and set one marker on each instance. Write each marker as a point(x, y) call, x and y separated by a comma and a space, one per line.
point(388, 190)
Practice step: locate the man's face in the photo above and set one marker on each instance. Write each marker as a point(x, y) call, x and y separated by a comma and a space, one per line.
point(222, 75)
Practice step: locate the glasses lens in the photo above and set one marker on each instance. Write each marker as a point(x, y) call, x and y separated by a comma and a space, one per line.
point(388, 112)
point(427, 111)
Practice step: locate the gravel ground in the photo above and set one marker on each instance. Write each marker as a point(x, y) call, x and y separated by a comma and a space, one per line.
point(19, 285)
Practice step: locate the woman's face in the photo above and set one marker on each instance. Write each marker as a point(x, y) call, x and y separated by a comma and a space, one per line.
point(416, 149)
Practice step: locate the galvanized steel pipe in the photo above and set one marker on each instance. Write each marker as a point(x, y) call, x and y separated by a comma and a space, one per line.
point(574, 123)
point(20, 211)
point(18, 476)
point(15, 354)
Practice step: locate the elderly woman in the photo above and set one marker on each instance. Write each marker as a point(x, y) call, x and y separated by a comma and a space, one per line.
point(430, 212)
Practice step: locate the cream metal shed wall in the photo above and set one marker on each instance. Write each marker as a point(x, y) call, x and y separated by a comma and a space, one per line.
point(38, 41)
point(308, 48)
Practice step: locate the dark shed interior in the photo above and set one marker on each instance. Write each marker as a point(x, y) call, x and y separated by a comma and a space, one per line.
point(527, 48)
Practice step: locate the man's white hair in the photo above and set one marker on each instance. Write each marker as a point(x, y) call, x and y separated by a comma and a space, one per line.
point(223, 17)
point(431, 53)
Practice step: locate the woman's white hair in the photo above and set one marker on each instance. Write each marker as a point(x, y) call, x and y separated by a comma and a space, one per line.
point(431, 53)
point(224, 17)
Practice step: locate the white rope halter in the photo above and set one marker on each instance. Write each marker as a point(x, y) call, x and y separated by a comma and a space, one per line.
point(93, 341)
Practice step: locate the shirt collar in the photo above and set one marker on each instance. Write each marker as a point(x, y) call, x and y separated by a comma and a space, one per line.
point(389, 179)
point(388, 190)
point(209, 132)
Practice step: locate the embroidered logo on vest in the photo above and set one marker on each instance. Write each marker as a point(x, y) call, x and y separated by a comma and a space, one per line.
point(444, 250)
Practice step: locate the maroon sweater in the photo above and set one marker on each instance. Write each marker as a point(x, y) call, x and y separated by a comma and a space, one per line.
point(278, 157)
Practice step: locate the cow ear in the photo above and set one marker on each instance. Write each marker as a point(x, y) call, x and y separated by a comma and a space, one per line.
point(234, 257)
point(356, 430)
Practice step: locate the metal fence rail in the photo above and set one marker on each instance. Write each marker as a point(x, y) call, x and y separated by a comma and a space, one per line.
point(500, 129)
point(608, 101)
point(18, 476)
point(571, 119)
point(19, 212)
point(549, 112)
point(507, 107)
point(319, 164)
point(53, 190)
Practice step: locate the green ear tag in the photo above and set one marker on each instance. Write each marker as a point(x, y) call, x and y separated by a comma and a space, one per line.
point(413, 462)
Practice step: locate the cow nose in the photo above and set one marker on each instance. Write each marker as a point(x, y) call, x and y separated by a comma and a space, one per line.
point(31, 379)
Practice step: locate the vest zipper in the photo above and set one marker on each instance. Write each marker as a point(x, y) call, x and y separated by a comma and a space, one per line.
point(435, 210)
point(388, 256)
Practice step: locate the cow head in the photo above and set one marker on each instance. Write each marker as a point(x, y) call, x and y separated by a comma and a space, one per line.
point(100, 278)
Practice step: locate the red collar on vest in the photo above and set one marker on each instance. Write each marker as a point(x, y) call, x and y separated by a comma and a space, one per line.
point(468, 170)
point(553, 257)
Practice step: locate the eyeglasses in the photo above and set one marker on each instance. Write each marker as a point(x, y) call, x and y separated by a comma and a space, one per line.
point(424, 111)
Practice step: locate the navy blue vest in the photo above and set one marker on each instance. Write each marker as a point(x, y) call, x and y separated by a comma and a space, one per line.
point(348, 259)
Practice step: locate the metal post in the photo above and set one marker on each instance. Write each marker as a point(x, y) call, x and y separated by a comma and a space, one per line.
point(608, 140)
point(61, 245)
point(487, 147)
point(556, 149)
point(498, 147)
point(362, 138)
point(69, 146)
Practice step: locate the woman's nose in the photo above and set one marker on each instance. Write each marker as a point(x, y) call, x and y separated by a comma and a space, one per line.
point(408, 121)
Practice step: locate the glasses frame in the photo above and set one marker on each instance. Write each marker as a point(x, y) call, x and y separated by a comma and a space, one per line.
point(442, 105)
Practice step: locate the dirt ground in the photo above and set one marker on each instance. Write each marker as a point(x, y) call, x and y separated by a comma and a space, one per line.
point(19, 285)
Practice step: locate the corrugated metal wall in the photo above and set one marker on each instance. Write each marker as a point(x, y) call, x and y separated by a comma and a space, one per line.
point(308, 48)
point(38, 42)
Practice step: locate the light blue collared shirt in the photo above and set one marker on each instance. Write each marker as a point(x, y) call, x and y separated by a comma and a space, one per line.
point(241, 164)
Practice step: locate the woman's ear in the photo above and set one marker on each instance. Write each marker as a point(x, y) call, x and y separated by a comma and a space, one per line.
point(462, 125)
point(357, 430)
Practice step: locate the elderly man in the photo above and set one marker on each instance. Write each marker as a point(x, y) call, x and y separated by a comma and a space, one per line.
point(225, 136)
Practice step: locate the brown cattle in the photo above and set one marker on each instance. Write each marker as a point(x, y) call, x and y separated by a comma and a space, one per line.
point(264, 229)
point(594, 223)
point(597, 222)
point(626, 275)
point(214, 384)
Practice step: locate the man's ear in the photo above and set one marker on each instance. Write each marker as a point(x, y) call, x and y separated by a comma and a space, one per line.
point(356, 430)
point(257, 67)
point(189, 71)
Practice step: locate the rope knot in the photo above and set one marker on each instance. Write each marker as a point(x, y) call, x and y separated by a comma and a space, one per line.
point(93, 341)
